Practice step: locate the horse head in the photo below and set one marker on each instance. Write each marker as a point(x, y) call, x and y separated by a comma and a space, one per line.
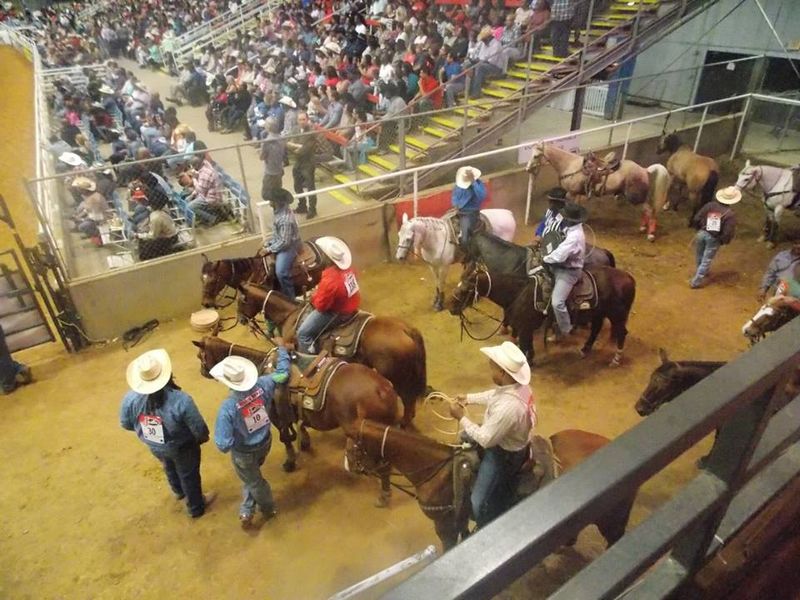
point(467, 292)
point(767, 318)
point(748, 177)
point(202, 355)
point(406, 238)
point(669, 142)
point(537, 158)
point(249, 304)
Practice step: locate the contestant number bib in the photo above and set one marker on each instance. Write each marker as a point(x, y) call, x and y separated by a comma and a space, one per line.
point(152, 428)
point(350, 284)
point(714, 222)
point(253, 411)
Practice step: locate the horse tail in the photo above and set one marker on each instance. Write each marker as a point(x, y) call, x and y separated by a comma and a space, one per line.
point(707, 193)
point(612, 261)
point(413, 383)
point(418, 377)
point(659, 184)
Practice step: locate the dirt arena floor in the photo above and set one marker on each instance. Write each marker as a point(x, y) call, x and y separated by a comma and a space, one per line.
point(85, 511)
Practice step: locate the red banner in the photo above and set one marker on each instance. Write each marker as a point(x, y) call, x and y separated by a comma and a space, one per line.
point(434, 204)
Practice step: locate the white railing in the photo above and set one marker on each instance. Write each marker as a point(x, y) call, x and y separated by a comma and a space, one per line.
point(220, 20)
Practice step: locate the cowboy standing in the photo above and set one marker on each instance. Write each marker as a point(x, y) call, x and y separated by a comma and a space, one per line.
point(285, 240)
point(305, 166)
point(566, 263)
point(553, 220)
point(468, 195)
point(12, 373)
point(166, 419)
point(716, 225)
point(243, 427)
point(336, 298)
point(505, 433)
point(780, 267)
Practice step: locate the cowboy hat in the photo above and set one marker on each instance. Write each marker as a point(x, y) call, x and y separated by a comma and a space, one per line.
point(84, 183)
point(361, 29)
point(336, 250)
point(104, 89)
point(729, 195)
point(574, 213)
point(557, 194)
point(332, 47)
point(236, 372)
point(485, 32)
point(149, 372)
point(71, 159)
point(288, 102)
point(462, 177)
point(511, 359)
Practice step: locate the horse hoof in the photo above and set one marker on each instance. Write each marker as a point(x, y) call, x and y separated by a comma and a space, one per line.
point(289, 467)
point(438, 307)
point(642, 229)
point(665, 207)
point(584, 352)
point(770, 245)
point(382, 502)
point(762, 239)
point(651, 238)
point(615, 362)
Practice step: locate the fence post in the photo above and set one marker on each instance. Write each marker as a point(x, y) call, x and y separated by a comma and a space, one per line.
point(636, 24)
point(401, 137)
point(523, 104)
point(589, 17)
point(627, 140)
point(416, 193)
point(742, 121)
point(466, 104)
point(250, 216)
point(700, 129)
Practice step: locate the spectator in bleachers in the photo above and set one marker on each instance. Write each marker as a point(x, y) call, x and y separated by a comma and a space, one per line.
point(453, 78)
point(273, 154)
point(140, 214)
point(188, 85)
point(91, 212)
point(491, 61)
point(290, 126)
point(205, 199)
point(561, 15)
point(363, 140)
point(161, 235)
point(335, 109)
point(304, 168)
point(235, 112)
point(393, 105)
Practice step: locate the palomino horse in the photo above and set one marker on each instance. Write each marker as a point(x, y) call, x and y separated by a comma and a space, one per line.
point(777, 185)
point(260, 270)
point(434, 240)
point(354, 392)
point(698, 173)
point(639, 186)
point(571, 168)
point(518, 297)
point(766, 320)
point(428, 465)
point(389, 345)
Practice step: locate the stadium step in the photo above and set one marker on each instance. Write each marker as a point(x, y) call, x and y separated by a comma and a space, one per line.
point(368, 169)
point(416, 142)
point(382, 162)
point(471, 113)
point(411, 153)
point(481, 104)
point(534, 66)
point(547, 57)
point(509, 85)
point(436, 131)
point(446, 122)
point(496, 93)
point(342, 178)
point(343, 196)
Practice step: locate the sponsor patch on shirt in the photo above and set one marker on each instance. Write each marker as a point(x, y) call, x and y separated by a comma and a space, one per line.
point(253, 411)
point(350, 284)
point(152, 428)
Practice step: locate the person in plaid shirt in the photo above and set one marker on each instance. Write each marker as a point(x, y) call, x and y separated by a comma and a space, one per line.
point(285, 241)
point(561, 13)
point(206, 199)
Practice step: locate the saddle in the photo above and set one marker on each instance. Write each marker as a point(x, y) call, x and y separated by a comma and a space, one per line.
point(308, 258)
point(454, 224)
point(309, 378)
point(343, 339)
point(584, 295)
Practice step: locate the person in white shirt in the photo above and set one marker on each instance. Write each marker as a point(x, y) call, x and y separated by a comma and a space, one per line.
point(491, 61)
point(566, 262)
point(505, 433)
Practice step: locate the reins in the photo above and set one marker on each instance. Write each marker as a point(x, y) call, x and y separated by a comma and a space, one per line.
point(464, 322)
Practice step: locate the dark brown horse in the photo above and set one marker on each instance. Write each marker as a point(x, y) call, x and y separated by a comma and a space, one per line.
point(518, 296)
point(428, 465)
point(389, 345)
point(355, 392)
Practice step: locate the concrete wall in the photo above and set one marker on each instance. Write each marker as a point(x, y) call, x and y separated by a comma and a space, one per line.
point(744, 32)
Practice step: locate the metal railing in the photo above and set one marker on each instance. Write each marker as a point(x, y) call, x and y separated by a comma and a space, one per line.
point(756, 455)
point(223, 18)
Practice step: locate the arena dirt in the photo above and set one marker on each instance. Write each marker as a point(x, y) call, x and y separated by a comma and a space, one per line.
point(85, 511)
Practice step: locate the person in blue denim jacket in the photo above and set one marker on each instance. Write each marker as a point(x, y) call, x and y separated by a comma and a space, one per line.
point(167, 421)
point(243, 427)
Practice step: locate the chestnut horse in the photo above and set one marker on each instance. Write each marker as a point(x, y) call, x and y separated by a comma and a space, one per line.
point(428, 465)
point(389, 345)
point(354, 392)
point(698, 173)
point(572, 171)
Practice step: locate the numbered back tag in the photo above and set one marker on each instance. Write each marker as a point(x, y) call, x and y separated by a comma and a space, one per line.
point(350, 284)
point(714, 222)
point(152, 428)
point(253, 411)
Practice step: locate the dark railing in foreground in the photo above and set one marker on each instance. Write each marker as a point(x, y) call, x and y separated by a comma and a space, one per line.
point(756, 455)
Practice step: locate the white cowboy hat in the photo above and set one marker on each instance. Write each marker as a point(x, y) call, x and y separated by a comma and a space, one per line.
point(288, 102)
point(361, 29)
point(149, 372)
point(84, 183)
point(729, 195)
point(462, 179)
point(71, 159)
point(336, 250)
point(236, 372)
point(104, 89)
point(333, 47)
point(511, 359)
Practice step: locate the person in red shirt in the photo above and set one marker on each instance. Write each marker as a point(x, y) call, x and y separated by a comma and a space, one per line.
point(430, 89)
point(336, 298)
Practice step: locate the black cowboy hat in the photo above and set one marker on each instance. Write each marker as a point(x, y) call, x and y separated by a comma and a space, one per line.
point(573, 213)
point(279, 196)
point(557, 194)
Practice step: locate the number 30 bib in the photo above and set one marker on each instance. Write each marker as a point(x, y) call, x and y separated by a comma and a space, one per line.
point(253, 411)
point(714, 222)
point(152, 428)
point(350, 284)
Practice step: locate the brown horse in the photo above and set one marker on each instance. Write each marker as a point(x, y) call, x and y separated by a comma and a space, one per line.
point(573, 172)
point(428, 465)
point(518, 297)
point(354, 392)
point(259, 270)
point(389, 345)
point(698, 173)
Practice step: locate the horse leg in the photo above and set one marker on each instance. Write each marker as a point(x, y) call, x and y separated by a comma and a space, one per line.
point(290, 464)
point(384, 471)
point(772, 238)
point(649, 222)
point(525, 342)
point(612, 525)
point(597, 325)
point(305, 439)
point(439, 276)
point(619, 332)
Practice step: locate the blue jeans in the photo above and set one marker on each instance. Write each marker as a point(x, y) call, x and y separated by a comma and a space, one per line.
point(182, 467)
point(480, 73)
point(494, 489)
point(311, 328)
point(203, 210)
point(467, 221)
point(9, 368)
point(453, 90)
point(255, 489)
point(283, 270)
point(565, 280)
point(706, 246)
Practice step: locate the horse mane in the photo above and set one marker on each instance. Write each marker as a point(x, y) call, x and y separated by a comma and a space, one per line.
point(716, 364)
point(238, 264)
point(374, 431)
point(433, 221)
point(672, 142)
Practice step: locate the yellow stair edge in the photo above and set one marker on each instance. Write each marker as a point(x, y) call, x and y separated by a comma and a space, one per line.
point(446, 122)
point(436, 132)
point(411, 153)
point(342, 178)
point(511, 85)
point(369, 170)
point(341, 196)
point(481, 104)
point(547, 57)
point(495, 93)
point(471, 113)
point(381, 162)
point(416, 142)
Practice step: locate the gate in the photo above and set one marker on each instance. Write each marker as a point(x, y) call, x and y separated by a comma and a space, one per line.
point(23, 321)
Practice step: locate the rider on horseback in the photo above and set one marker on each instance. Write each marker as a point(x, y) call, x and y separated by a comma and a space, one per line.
point(552, 218)
point(468, 195)
point(566, 263)
point(285, 242)
point(787, 295)
point(336, 298)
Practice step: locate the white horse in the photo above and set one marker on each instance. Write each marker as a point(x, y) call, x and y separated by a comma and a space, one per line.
point(779, 196)
point(435, 241)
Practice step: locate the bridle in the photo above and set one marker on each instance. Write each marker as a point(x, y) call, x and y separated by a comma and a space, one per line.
point(471, 301)
point(255, 328)
point(753, 177)
point(221, 291)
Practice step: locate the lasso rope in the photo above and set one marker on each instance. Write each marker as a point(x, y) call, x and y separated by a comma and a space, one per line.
point(446, 398)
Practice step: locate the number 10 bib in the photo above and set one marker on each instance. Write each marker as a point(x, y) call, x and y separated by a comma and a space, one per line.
point(253, 411)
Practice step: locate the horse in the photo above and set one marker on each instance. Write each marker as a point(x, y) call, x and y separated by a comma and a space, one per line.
point(260, 270)
point(389, 345)
point(519, 297)
point(571, 169)
point(435, 241)
point(670, 379)
point(429, 466)
point(647, 187)
point(766, 320)
point(354, 392)
point(699, 173)
point(777, 186)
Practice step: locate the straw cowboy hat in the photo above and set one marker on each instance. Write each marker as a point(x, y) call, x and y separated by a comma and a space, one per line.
point(463, 179)
point(104, 89)
point(511, 359)
point(84, 183)
point(288, 102)
point(336, 250)
point(573, 213)
point(332, 47)
point(70, 158)
point(729, 195)
point(485, 32)
point(149, 372)
point(236, 372)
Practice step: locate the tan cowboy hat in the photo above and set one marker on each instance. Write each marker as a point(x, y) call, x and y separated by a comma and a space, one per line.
point(511, 359)
point(729, 195)
point(236, 372)
point(149, 372)
point(288, 102)
point(106, 89)
point(336, 250)
point(71, 159)
point(84, 183)
point(485, 32)
point(462, 177)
